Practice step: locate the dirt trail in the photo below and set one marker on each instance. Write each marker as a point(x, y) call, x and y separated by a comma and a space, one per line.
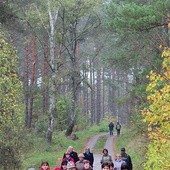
point(97, 157)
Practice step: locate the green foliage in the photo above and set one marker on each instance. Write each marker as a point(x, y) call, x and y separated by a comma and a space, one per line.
point(63, 106)
point(134, 16)
point(98, 148)
point(157, 116)
point(135, 144)
point(11, 108)
point(40, 150)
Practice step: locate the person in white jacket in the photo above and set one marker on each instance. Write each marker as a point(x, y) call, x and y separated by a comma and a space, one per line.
point(118, 162)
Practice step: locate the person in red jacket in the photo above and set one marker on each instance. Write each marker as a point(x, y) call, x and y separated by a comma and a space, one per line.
point(68, 158)
point(63, 166)
point(44, 166)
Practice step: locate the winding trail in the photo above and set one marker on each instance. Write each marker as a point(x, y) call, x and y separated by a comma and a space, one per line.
point(97, 157)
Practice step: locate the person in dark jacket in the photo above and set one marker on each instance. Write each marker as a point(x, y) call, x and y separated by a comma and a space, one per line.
point(73, 154)
point(89, 156)
point(124, 166)
point(126, 158)
point(111, 126)
point(118, 127)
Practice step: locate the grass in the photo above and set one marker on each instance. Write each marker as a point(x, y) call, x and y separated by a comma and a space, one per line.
point(98, 148)
point(135, 145)
point(41, 151)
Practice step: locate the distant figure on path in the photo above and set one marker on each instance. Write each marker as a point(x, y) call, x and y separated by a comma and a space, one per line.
point(126, 158)
point(44, 166)
point(111, 126)
point(106, 157)
point(89, 156)
point(118, 127)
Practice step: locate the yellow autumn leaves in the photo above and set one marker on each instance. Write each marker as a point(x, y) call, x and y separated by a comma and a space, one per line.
point(157, 115)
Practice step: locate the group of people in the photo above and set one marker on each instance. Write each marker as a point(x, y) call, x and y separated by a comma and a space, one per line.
point(73, 161)
point(111, 127)
point(121, 162)
point(84, 161)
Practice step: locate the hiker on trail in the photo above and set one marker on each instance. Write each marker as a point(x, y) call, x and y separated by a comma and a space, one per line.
point(118, 127)
point(63, 166)
point(73, 154)
point(71, 166)
point(44, 166)
point(80, 163)
point(87, 165)
point(106, 166)
point(68, 158)
point(126, 158)
point(118, 162)
point(106, 157)
point(89, 156)
point(111, 126)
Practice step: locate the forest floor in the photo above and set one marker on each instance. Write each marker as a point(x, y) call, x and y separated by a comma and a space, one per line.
point(108, 145)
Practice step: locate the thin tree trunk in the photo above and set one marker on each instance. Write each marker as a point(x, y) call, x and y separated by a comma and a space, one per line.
point(26, 86)
point(98, 99)
point(45, 90)
point(103, 89)
point(92, 110)
point(32, 84)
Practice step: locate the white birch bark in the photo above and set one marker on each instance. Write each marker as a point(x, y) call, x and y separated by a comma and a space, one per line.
point(53, 14)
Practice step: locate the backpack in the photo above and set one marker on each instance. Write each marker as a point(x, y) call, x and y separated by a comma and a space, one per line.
point(118, 127)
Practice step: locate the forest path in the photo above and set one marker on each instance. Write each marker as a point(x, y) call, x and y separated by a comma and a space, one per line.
point(108, 145)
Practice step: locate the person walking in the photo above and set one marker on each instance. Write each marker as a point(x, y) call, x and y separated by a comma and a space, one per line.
point(118, 127)
point(106, 157)
point(118, 162)
point(87, 165)
point(80, 163)
point(111, 126)
point(126, 158)
point(73, 154)
point(105, 166)
point(89, 156)
point(63, 166)
point(68, 158)
point(44, 166)
point(71, 166)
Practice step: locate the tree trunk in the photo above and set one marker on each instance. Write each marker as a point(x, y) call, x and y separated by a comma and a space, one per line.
point(26, 87)
point(32, 83)
point(45, 90)
point(92, 97)
point(98, 99)
point(52, 22)
point(103, 93)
